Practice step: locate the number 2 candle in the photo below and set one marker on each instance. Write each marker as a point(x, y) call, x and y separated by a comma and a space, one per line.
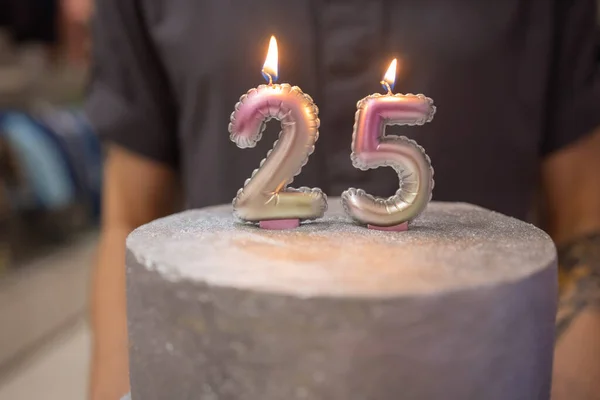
point(265, 197)
point(372, 148)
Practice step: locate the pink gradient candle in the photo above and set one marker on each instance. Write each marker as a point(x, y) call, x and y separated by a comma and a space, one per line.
point(372, 148)
point(265, 197)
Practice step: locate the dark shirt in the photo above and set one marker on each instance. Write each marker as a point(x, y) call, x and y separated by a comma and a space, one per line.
point(513, 81)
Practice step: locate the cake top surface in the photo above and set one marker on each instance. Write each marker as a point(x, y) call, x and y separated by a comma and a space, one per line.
point(450, 247)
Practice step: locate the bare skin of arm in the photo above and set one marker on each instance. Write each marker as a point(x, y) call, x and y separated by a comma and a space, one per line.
point(571, 180)
point(136, 191)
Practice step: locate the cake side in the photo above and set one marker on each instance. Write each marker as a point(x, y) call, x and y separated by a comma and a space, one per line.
point(189, 340)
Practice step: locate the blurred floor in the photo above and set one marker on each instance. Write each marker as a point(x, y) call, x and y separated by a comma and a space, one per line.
point(57, 371)
point(44, 340)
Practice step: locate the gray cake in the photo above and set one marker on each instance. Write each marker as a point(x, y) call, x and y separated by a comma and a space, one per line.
point(461, 307)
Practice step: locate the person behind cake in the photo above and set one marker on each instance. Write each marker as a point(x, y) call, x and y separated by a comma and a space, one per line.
point(517, 87)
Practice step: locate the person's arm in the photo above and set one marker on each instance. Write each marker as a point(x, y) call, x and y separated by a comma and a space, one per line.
point(136, 191)
point(571, 184)
point(571, 181)
point(131, 106)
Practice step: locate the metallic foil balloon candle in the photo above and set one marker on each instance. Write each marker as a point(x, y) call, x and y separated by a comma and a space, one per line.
point(372, 148)
point(265, 197)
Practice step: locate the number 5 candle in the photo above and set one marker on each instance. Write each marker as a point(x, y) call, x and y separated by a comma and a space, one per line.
point(265, 197)
point(372, 148)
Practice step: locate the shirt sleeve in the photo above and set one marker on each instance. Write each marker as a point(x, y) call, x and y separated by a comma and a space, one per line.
point(574, 90)
point(129, 101)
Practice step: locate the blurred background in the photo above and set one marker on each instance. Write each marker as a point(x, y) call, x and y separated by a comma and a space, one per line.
point(50, 180)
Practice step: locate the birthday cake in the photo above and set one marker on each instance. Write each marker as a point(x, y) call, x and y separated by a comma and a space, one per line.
point(461, 306)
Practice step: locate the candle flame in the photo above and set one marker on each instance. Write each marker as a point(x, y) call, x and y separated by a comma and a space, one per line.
point(389, 79)
point(270, 67)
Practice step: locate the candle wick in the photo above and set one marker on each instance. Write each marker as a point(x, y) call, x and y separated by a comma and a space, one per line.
point(387, 86)
point(269, 76)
